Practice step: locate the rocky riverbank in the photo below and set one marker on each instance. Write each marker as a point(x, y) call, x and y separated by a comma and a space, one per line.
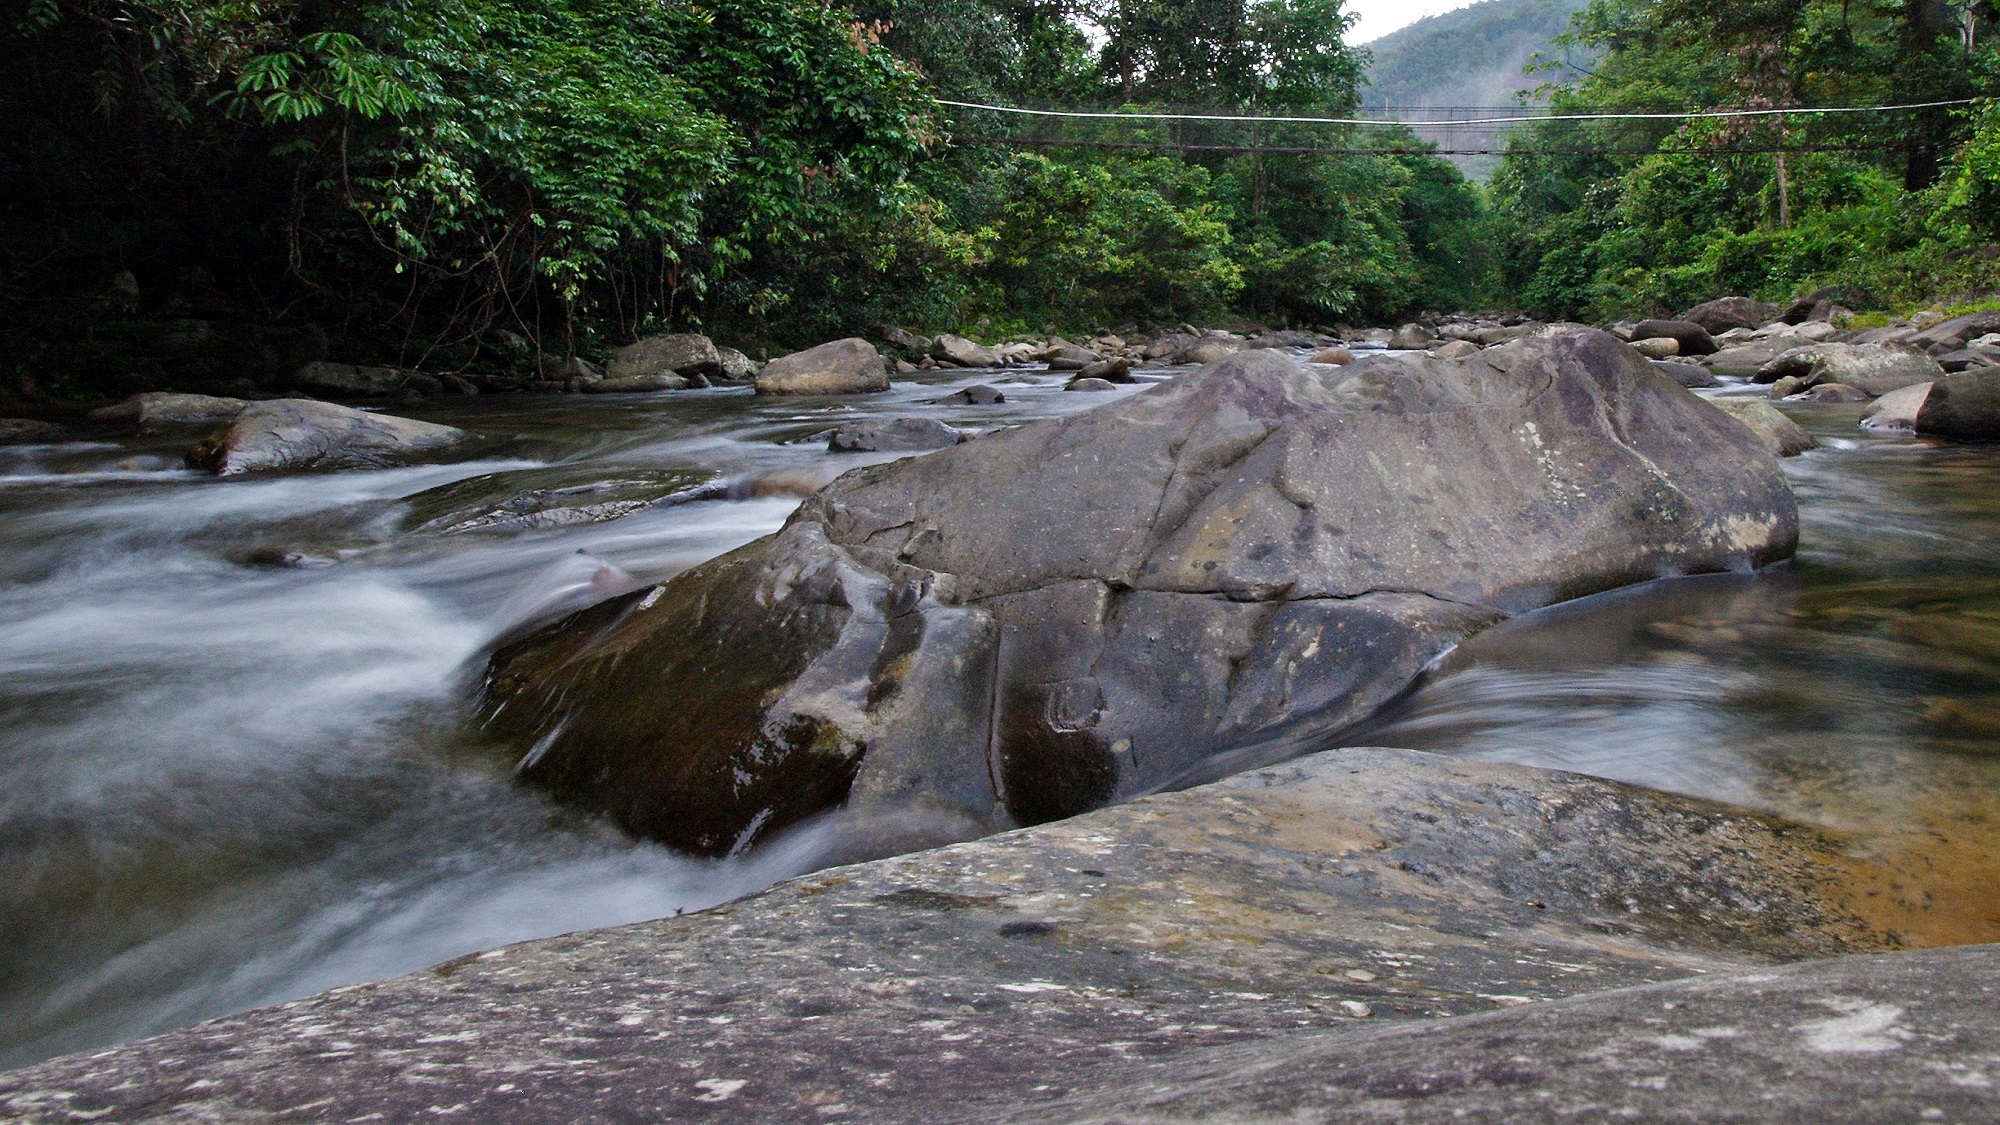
point(1199, 952)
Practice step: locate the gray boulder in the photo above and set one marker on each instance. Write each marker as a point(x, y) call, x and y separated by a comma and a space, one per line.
point(736, 367)
point(1837, 392)
point(1068, 357)
point(1745, 359)
point(978, 394)
point(1896, 410)
point(1951, 334)
point(884, 435)
point(1411, 337)
point(1082, 384)
point(347, 380)
point(1450, 349)
point(1725, 313)
point(963, 352)
point(1964, 406)
point(303, 434)
point(1692, 338)
point(564, 368)
point(556, 496)
point(1657, 347)
point(850, 366)
point(1208, 349)
point(1874, 368)
point(633, 384)
point(1687, 374)
point(1967, 358)
point(29, 430)
point(1115, 370)
point(157, 411)
point(1076, 611)
point(1487, 337)
point(681, 353)
point(1340, 357)
point(1779, 434)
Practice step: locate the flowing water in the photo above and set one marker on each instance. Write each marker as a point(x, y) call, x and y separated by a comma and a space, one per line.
point(237, 767)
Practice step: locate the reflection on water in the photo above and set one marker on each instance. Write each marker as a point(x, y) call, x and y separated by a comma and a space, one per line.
point(1857, 688)
point(231, 783)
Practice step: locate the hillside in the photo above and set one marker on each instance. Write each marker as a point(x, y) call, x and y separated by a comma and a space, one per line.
point(1471, 57)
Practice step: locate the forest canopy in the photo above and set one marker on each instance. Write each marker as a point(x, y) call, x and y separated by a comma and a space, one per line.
point(195, 184)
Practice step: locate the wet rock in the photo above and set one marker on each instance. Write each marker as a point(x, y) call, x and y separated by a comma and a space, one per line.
point(1071, 612)
point(1787, 387)
point(1896, 410)
point(1455, 349)
point(1874, 368)
point(1725, 313)
point(559, 496)
point(1837, 392)
point(963, 352)
point(568, 368)
point(159, 411)
point(1487, 337)
point(1692, 338)
point(1688, 374)
point(1744, 360)
point(682, 353)
point(1964, 406)
point(979, 394)
point(458, 384)
point(634, 384)
point(1657, 347)
point(1356, 929)
point(1964, 359)
point(907, 340)
point(1208, 349)
point(1779, 434)
point(16, 430)
point(1081, 384)
point(1411, 337)
point(1168, 346)
point(1333, 357)
point(1068, 357)
point(850, 366)
point(883, 435)
point(735, 366)
point(346, 380)
point(304, 434)
point(1109, 370)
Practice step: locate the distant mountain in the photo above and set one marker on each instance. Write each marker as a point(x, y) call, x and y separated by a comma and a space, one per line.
point(1471, 57)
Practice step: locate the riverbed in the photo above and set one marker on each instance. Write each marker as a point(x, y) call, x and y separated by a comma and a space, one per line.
point(241, 769)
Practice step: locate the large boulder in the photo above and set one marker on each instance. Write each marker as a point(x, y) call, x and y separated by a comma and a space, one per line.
point(157, 411)
point(1692, 338)
point(736, 367)
point(1068, 613)
point(963, 352)
point(1725, 313)
point(1782, 436)
point(1875, 368)
point(1965, 406)
point(292, 433)
point(1952, 334)
point(1687, 374)
point(347, 380)
point(1411, 337)
point(681, 353)
point(850, 366)
point(1896, 410)
point(1208, 349)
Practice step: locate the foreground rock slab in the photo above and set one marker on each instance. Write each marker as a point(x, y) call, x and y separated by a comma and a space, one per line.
point(1280, 910)
point(1074, 612)
point(306, 434)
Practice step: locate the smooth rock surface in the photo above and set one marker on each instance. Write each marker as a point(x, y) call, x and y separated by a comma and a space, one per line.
point(1692, 338)
point(963, 352)
point(1725, 313)
point(979, 394)
point(304, 434)
point(1411, 337)
point(1077, 611)
point(1657, 347)
point(735, 366)
point(1083, 384)
point(850, 366)
point(1951, 334)
point(1874, 368)
point(358, 381)
point(1358, 892)
point(681, 353)
point(1896, 410)
point(557, 496)
point(1455, 349)
point(879, 435)
point(637, 384)
point(1209, 349)
point(1687, 374)
point(1782, 436)
point(1964, 406)
point(158, 411)
point(1332, 357)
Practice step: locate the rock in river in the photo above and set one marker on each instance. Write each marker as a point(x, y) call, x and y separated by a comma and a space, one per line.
point(1068, 613)
point(347, 380)
point(1965, 406)
point(303, 434)
point(1874, 368)
point(1692, 338)
point(849, 366)
point(156, 411)
point(1896, 410)
point(1782, 436)
point(963, 352)
point(978, 394)
point(682, 353)
point(878, 435)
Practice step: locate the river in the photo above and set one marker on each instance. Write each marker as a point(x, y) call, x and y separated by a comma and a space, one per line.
point(239, 768)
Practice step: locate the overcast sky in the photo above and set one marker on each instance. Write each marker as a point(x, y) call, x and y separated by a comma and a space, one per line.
point(1380, 17)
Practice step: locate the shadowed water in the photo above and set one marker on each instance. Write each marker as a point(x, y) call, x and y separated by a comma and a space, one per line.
point(230, 783)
